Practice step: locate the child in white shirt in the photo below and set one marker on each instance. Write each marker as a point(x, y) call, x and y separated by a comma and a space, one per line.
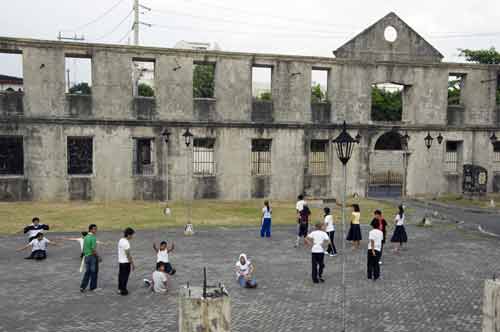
point(330, 230)
point(162, 256)
point(38, 247)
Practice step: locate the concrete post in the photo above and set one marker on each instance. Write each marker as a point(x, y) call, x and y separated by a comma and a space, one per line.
point(198, 314)
point(491, 306)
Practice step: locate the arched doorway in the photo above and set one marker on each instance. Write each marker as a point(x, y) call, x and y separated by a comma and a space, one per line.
point(387, 171)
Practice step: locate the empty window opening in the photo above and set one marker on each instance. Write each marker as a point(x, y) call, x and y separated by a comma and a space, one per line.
point(387, 102)
point(11, 155)
point(11, 72)
point(80, 156)
point(261, 83)
point(204, 80)
point(261, 157)
point(143, 76)
point(144, 156)
point(318, 157)
point(455, 85)
point(204, 156)
point(496, 152)
point(452, 156)
point(389, 141)
point(78, 75)
point(319, 85)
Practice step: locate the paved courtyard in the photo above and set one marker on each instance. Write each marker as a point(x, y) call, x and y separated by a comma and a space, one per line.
point(434, 285)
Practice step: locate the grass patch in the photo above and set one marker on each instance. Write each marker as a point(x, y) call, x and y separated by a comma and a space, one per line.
point(460, 200)
point(76, 216)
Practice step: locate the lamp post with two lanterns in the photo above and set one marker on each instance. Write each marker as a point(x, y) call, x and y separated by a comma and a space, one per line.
point(344, 145)
point(188, 140)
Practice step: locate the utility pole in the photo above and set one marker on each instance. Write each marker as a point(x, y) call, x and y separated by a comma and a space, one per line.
point(136, 22)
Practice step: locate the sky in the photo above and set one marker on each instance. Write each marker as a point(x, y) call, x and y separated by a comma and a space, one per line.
point(314, 27)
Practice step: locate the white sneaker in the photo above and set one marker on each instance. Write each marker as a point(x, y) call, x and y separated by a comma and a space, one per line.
point(147, 283)
point(380, 262)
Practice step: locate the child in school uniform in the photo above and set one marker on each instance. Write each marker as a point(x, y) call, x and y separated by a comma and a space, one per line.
point(354, 234)
point(330, 230)
point(265, 229)
point(399, 235)
point(38, 247)
point(162, 256)
point(35, 228)
point(303, 224)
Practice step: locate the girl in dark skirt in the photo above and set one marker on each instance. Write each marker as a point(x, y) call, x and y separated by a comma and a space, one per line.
point(354, 234)
point(399, 235)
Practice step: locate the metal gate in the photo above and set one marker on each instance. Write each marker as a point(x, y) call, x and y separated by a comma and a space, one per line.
point(385, 184)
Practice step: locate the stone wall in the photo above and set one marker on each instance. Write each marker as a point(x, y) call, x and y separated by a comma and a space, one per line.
point(113, 117)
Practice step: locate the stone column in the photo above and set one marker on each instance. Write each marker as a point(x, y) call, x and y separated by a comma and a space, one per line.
point(491, 306)
point(198, 314)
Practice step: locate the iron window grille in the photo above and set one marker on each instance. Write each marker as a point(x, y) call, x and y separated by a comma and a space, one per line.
point(144, 156)
point(204, 157)
point(451, 157)
point(318, 157)
point(11, 155)
point(80, 155)
point(261, 157)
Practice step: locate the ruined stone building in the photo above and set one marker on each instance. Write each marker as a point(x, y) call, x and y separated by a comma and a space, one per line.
point(108, 144)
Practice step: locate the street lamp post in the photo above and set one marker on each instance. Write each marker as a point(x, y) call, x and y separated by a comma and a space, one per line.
point(344, 143)
point(165, 134)
point(404, 143)
point(188, 137)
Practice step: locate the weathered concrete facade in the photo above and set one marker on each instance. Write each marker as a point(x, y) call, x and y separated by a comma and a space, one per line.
point(113, 118)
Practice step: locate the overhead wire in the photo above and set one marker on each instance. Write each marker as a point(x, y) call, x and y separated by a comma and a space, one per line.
point(116, 26)
point(287, 28)
point(252, 13)
point(97, 18)
point(280, 35)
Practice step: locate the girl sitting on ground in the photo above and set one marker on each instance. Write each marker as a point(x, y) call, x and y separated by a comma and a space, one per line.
point(245, 272)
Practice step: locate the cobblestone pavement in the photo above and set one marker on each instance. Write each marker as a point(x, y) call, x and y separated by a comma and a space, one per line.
point(434, 285)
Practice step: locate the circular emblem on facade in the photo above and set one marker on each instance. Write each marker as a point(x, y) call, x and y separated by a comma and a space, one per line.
point(390, 34)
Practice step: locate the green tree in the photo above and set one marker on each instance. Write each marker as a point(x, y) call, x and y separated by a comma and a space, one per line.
point(386, 105)
point(491, 56)
point(144, 90)
point(203, 81)
point(317, 95)
point(80, 88)
point(454, 92)
point(265, 96)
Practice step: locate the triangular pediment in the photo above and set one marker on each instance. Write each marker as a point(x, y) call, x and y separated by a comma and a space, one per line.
point(372, 44)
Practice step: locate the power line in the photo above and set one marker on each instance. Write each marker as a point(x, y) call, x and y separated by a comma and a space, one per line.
point(264, 14)
point(124, 36)
point(116, 26)
point(97, 18)
point(281, 35)
point(173, 12)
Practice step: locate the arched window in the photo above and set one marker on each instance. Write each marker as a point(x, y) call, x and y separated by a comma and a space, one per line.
point(389, 141)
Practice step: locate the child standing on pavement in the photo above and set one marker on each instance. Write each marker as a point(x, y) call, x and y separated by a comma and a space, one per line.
point(330, 230)
point(265, 229)
point(303, 224)
point(354, 234)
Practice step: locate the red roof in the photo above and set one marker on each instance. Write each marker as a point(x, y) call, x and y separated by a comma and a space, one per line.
point(5, 79)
